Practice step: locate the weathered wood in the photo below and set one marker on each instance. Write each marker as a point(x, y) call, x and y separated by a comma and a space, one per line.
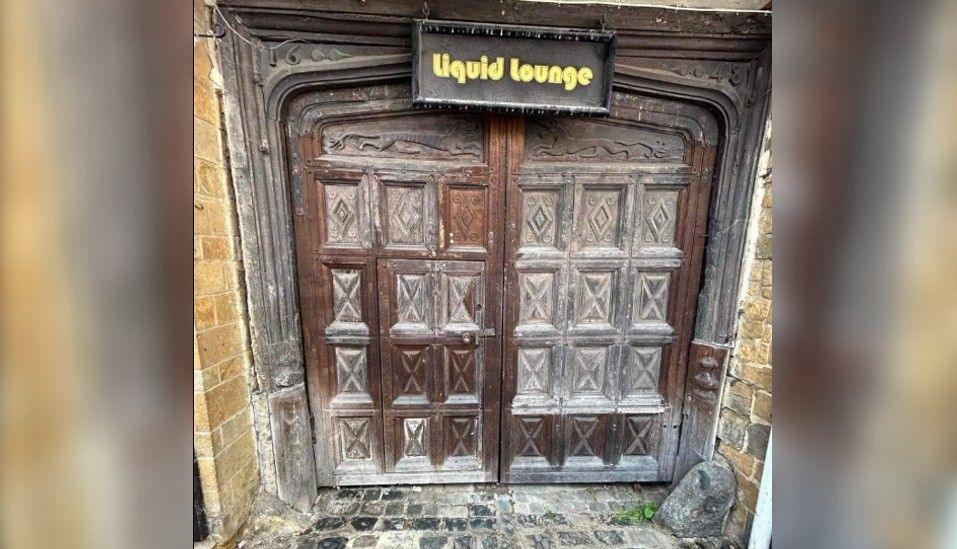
point(404, 380)
point(283, 67)
point(274, 328)
point(602, 262)
point(706, 372)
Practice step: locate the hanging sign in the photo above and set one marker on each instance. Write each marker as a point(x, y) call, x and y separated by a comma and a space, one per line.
point(512, 68)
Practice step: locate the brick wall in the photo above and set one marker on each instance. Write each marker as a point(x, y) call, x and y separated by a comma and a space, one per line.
point(223, 433)
point(745, 422)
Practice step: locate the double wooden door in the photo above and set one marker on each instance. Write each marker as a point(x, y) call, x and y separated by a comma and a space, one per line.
point(430, 242)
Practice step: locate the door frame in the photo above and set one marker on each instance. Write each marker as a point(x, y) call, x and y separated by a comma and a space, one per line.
point(272, 50)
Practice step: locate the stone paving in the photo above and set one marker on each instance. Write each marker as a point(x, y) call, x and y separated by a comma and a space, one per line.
point(481, 516)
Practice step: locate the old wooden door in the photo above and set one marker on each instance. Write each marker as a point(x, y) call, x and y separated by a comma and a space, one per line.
point(603, 257)
point(399, 237)
point(413, 271)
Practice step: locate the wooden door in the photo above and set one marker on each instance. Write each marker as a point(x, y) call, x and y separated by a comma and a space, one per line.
point(399, 239)
point(605, 230)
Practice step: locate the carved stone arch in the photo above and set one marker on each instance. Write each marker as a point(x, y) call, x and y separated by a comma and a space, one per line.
point(257, 94)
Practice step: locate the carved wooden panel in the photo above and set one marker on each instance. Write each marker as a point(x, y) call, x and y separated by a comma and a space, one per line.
point(461, 440)
point(587, 140)
point(585, 439)
point(411, 379)
point(426, 137)
point(598, 218)
point(399, 237)
point(659, 212)
point(345, 207)
point(461, 373)
point(466, 223)
point(598, 237)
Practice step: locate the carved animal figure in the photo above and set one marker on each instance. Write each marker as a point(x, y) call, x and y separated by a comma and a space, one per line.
point(457, 137)
point(561, 139)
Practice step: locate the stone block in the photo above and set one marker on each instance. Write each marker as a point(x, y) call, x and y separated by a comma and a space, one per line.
point(207, 477)
point(233, 458)
point(225, 400)
point(200, 413)
point(762, 406)
point(217, 247)
point(206, 141)
point(236, 426)
point(233, 367)
point(204, 312)
point(202, 59)
point(203, 444)
point(227, 306)
point(205, 102)
point(758, 435)
point(700, 503)
point(217, 344)
point(759, 376)
point(747, 493)
point(209, 178)
point(738, 397)
point(740, 461)
point(209, 277)
point(732, 428)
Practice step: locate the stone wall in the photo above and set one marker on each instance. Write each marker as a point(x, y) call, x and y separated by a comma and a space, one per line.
point(224, 441)
point(745, 422)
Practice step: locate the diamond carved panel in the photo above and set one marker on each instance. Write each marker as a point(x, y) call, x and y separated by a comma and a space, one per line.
point(461, 370)
point(536, 305)
point(588, 367)
point(595, 303)
point(410, 370)
point(351, 370)
point(410, 297)
point(583, 432)
point(354, 443)
point(343, 213)
point(461, 298)
point(406, 211)
point(599, 218)
point(467, 217)
point(540, 218)
point(533, 370)
point(644, 368)
point(461, 433)
point(660, 212)
point(415, 436)
point(531, 437)
point(640, 435)
point(346, 295)
point(651, 297)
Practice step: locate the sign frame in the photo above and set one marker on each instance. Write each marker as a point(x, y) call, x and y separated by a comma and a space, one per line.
point(513, 31)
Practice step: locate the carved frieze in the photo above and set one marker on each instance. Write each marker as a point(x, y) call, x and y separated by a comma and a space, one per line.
point(572, 139)
point(459, 138)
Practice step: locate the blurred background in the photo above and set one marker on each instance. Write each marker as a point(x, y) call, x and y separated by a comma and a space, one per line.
point(97, 218)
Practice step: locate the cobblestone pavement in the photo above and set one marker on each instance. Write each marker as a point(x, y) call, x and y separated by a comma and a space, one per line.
point(482, 516)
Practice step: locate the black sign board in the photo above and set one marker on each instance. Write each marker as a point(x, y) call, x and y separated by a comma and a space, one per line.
point(512, 68)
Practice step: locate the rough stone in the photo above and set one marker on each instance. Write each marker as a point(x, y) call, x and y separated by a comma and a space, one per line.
point(700, 503)
point(364, 541)
point(464, 542)
point(432, 542)
point(332, 543)
point(758, 435)
point(609, 537)
point(573, 538)
point(364, 523)
point(328, 523)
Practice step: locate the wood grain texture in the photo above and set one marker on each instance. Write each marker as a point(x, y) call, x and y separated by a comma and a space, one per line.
point(601, 285)
point(294, 66)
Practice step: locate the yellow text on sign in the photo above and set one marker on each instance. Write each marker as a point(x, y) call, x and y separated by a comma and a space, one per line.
point(570, 77)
